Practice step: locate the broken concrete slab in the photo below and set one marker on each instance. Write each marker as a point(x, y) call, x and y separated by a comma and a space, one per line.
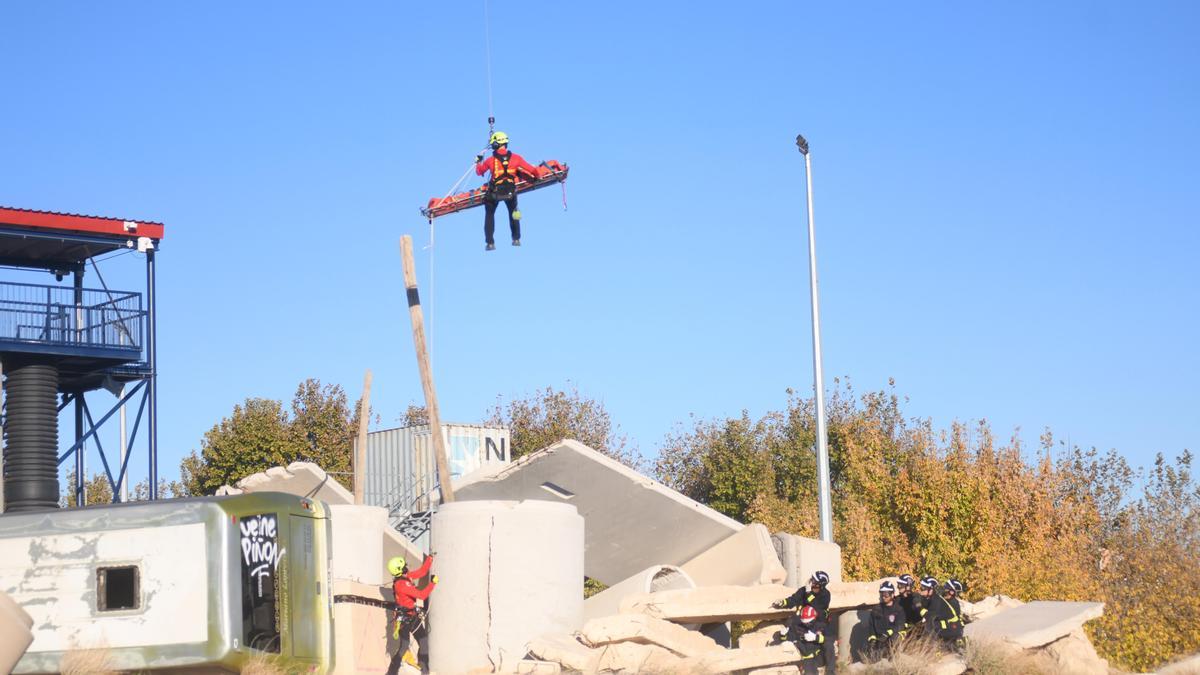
point(801, 556)
point(630, 657)
point(650, 580)
point(15, 633)
point(1036, 623)
point(992, 604)
point(776, 670)
point(632, 522)
point(303, 479)
point(362, 641)
point(853, 628)
point(643, 629)
point(711, 604)
point(760, 636)
point(746, 558)
point(1075, 655)
point(847, 594)
point(564, 650)
point(733, 660)
point(531, 667)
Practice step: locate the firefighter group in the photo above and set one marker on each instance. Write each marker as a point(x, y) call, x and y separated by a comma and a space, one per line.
point(903, 613)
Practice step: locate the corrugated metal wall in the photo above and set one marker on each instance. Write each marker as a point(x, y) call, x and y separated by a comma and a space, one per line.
point(401, 471)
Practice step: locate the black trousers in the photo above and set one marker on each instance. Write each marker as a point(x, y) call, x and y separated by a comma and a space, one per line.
point(410, 626)
point(490, 202)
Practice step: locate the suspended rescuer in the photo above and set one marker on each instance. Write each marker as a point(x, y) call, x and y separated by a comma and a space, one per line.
point(807, 632)
point(943, 619)
point(505, 168)
point(817, 597)
point(410, 620)
point(886, 623)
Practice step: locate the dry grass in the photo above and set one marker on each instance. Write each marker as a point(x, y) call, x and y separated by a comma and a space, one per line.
point(911, 657)
point(263, 664)
point(993, 658)
point(87, 661)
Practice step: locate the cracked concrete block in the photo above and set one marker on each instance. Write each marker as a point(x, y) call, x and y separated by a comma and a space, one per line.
point(992, 604)
point(1036, 623)
point(357, 535)
point(644, 629)
point(733, 660)
point(15, 633)
point(564, 650)
point(531, 667)
point(760, 636)
point(746, 558)
point(650, 580)
point(853, 628)
point(801, 556)
point(711, 604)
point(362, 641)
point(1075, 655)
point(633, 521)
point(630, 657)
point(303, 479)
point(509, 571)
point(848, 594)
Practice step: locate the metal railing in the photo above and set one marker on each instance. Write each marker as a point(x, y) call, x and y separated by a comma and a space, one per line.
point(63, 315)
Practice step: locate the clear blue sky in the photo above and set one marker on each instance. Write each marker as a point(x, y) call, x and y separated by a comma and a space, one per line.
point(1006, 201)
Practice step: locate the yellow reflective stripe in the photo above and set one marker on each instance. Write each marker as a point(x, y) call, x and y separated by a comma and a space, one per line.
point(890, 631)
point(943, 624)
point(820, 638)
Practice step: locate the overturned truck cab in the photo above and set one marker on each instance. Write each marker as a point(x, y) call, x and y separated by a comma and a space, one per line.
point(203, 584)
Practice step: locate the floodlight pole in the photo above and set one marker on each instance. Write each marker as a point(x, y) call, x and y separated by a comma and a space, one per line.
point(823, 497)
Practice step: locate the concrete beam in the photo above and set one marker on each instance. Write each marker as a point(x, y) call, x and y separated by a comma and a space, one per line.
point(565, 651)
point(650, 580)
point(712, 604)
point(632, 521)
point(734, 660)
point(303, 479)
point(1036, 623)
point(991, 605)
point(801, 556)
point(746, 558)
point(647, 630)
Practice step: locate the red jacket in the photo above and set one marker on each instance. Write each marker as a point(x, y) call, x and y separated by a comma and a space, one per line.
point(406, 592)
point(517, 166)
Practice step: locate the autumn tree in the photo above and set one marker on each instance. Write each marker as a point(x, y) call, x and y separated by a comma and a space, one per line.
point(549, 415)
point(260, 434)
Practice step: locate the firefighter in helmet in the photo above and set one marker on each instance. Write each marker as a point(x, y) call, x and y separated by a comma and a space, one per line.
point(506, 168)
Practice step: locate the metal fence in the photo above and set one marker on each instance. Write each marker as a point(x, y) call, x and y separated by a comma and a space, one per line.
point(62, 315)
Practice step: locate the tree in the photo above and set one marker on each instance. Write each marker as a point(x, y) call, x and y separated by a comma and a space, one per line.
point(548, 416)
point(260, 434)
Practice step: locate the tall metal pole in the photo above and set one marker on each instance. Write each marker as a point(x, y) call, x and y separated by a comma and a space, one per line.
point(80, 464)
point(823, 497)
point(152, 385)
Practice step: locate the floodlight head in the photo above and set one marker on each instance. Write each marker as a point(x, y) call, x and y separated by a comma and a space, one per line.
point(802, 143)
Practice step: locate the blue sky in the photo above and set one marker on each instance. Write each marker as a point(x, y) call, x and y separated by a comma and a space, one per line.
point(1005, 201)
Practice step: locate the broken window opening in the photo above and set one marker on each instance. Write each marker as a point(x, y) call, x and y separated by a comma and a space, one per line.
point(117, 588)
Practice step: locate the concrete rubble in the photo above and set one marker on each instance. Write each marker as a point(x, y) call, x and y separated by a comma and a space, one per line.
point(711, 604)
point(744, 559)
point(801, 556)
point(15, 633)
point(1034, 624)
point(1074, 654)
point(760, 636)
point(650, 580)
point(992, 604)
point(642, 629)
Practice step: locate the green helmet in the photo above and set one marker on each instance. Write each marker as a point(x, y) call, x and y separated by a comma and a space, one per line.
point(396, 566)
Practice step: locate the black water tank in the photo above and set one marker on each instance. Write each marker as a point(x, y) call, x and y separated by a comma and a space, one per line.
point(30, 436)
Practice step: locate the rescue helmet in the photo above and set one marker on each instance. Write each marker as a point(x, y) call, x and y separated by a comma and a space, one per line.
point(954, 585)
point(808, 614)
point(929, 583)
point(498, 139)
point(820, 578)
point(396, 566)
point(887, 587)
point(905, 581)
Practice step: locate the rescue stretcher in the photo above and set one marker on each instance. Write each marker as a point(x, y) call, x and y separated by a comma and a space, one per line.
point(549, 172)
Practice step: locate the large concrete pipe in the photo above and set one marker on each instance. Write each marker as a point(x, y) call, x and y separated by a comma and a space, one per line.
point(650, 580)
point(15, 633)
point(509, 572)
point(30, 436)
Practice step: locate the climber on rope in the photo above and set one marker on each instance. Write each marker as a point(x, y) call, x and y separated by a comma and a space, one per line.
point(505, 168)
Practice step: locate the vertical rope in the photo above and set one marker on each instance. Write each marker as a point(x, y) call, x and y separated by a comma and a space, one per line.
point(487, 32)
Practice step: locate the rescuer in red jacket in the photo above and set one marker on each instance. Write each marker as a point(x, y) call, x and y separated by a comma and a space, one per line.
point(409, 619)
point(506, 168)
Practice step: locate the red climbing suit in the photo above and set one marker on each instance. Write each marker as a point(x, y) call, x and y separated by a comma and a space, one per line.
point(406, 593)
point(517, 166)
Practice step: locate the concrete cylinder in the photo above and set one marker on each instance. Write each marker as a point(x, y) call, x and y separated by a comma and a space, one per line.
point(15, 633)
point(508, 572)
point(650, 580)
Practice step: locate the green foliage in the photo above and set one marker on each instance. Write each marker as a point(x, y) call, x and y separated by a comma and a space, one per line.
point(548, 416)
point(908, 498)
point(260, 434)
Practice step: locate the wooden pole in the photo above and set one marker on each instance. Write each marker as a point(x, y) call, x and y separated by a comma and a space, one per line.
point(431, 405)
point(360, 448)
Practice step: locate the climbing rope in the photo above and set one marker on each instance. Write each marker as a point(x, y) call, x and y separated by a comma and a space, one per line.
point(487, 33)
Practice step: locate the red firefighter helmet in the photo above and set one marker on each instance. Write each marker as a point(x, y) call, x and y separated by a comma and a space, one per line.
point(808, 614)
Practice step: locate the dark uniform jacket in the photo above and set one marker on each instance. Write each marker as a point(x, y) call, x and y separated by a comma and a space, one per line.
point(818, 600)
point(944, 617)
point(886, 622)
point(796, 630)
point(913, 604)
